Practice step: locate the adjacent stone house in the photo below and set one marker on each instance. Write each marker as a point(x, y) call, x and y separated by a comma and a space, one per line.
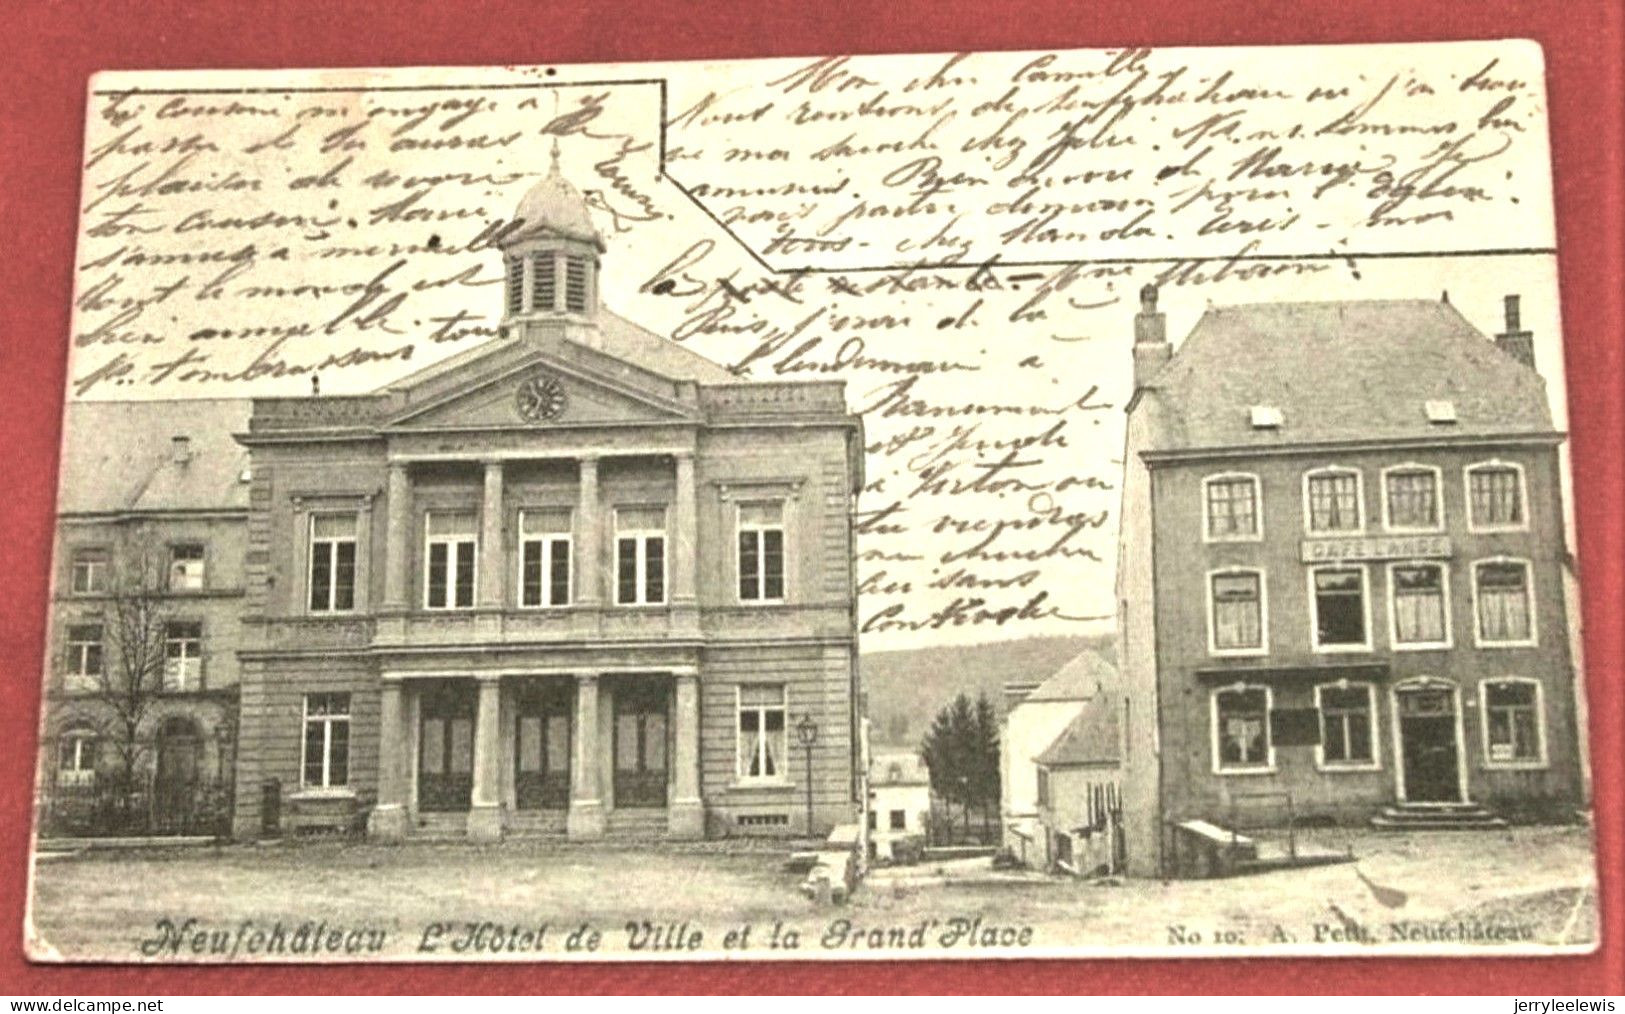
point(1341, 572)
point(145, 618)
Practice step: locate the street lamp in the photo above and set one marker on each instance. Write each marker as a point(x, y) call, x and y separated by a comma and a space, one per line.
point(807, 735)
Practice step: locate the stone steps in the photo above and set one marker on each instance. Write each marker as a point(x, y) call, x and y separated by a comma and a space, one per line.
point(1436, 817)
point(636, 822)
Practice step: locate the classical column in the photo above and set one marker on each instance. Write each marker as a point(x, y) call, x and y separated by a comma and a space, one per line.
point(397, 537)
point(492, 569)
point(683, 540)
point(589, 568)
point(485, 807)
point(586, 816)
point(686, 815)
point(389, 818)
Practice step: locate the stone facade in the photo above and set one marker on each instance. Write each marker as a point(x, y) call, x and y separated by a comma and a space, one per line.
point(149, 548)
point(1341, 571)
point(578, 580)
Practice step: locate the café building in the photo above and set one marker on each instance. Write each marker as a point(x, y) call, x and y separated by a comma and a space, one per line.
point(1341, 573)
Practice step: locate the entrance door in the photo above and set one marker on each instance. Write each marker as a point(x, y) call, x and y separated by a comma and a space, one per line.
point(542, 754)
point(640, 743)
point(1427, 743)
point(446, 746)
point(177, 776)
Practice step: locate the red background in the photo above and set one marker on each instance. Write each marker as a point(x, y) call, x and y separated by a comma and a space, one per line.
point(51, 48)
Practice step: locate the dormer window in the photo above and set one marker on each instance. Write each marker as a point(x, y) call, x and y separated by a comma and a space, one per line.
point(1266, 417)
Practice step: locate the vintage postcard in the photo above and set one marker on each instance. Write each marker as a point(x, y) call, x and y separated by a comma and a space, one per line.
point(1079, 503)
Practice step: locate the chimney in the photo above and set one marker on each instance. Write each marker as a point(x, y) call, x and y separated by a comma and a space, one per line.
point(1151, 348)
point(1514, 341)
point(180, 449)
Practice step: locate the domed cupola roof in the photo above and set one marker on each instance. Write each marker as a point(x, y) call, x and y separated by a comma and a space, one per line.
point(555, 207)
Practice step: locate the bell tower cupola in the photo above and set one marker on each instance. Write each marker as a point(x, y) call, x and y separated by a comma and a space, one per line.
point(551, 262)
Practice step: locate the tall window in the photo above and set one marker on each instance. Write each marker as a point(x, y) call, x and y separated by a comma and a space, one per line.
point(761, 731)
point(1241, 729)
point(449, 582)
point(575, 284)
point(1411, 498)
point(89, 571)
point(1340, 611)
point(544, 282)
point(1232, 507)
point(85, 650)
point(544, 558)
point(1421, 612)
point(76, 757)
point(327, 741)
point(332, 562)
point(761, 552)
point(186, 567)
point(1495, 496)
point(640, 556)
point(1513, 724)
point(183, 656)
point(1334, 501)
point(1502, 591)
point(1236, 614)
point(1347, 732)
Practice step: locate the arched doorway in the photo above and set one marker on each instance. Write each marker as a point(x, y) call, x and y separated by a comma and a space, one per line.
point(1428, 742)
point(177, 776)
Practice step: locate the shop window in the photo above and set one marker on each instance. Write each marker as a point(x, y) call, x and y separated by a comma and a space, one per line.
point(1241, 729)
point(1347, 724)
point(1514, 733)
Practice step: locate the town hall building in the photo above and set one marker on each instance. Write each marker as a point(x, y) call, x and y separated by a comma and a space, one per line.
point(578, 579)
point(1341, 574)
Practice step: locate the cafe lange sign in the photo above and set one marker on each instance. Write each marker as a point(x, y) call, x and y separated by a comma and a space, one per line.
point(1376, 547)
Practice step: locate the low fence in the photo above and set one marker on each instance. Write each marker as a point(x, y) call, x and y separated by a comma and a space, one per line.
point(147, 807)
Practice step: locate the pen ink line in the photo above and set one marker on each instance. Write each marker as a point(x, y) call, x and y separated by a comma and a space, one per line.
point(334, 89)
point(1352, 255)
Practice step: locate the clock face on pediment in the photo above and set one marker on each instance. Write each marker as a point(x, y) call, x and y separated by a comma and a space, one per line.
point(541, 398)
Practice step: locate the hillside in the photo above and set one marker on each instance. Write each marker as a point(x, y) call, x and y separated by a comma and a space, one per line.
point(907, 688)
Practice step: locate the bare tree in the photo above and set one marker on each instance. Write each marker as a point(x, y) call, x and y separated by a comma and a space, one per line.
point(134, 632)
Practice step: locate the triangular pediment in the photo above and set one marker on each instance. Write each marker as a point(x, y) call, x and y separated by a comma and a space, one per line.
point(540, 390)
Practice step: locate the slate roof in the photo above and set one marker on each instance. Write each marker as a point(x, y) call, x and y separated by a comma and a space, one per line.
point(1351, 370)
point(901, 767)
point(642, 347)
point(1078, 680)
point(1090, 738)
point(117, 456)
point(620, 338)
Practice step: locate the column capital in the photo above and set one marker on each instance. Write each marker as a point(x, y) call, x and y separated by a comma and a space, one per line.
point(486, 679)
point(587, 677)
